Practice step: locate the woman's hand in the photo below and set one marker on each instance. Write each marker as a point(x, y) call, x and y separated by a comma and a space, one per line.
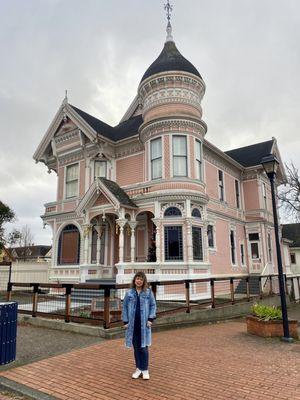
point(125, 326)
point(149, 324)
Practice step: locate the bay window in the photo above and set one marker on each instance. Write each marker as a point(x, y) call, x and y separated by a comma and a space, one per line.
point(197, 244)
point(179, 156)
point(173, 243)
point(156, 158)
point(198, 160)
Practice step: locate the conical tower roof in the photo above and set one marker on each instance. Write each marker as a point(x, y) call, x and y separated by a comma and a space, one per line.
point(170, 59)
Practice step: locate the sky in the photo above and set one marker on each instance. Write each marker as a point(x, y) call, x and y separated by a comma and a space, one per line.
point(247, 52)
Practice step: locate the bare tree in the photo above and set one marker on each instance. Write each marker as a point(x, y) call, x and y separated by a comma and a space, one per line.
point(289, 195)
point(26, 236)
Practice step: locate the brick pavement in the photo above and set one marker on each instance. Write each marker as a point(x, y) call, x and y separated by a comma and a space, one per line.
point(218, 361)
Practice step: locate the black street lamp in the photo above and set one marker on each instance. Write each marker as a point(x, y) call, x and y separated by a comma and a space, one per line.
point(270, 164)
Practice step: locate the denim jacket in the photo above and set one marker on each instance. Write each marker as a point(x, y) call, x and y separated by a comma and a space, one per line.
point(148, 310)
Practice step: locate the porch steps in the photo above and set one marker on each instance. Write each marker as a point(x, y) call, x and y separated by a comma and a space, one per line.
point(253, 285)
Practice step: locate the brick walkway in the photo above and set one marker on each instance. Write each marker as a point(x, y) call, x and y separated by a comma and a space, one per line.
point(217, 361)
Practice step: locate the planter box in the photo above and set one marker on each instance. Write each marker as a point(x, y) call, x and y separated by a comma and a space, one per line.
point(270, 328)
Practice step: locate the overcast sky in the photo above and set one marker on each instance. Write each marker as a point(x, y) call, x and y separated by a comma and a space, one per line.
point(247, 52)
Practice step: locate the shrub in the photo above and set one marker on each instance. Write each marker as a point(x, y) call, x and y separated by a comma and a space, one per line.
point(266, 313)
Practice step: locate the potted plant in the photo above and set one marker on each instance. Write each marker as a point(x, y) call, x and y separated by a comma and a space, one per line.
point(266, 321)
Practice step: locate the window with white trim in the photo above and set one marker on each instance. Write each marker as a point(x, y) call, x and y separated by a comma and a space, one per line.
point(232, 246)
point(242, 254)
point(269, 248)
point(293, 258)
point(179, 156)
point(210, 235)
point(237, 194)
point(197, 244)
point(221, 185)
point(100, 169)
point(254, 245)
point(173, 243)
point(198, 160)
point(196, 213)
point(72, 181)
point(156, 158)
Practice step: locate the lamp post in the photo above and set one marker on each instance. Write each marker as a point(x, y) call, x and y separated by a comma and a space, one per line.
point(270, 165)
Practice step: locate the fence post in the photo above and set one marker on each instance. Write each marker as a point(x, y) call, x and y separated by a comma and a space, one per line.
point(187, 296)
point(9, 290)
point(68, 302)
point(231, 291)
point(248, 288)
point(35, 299)
point(106, 308)
point(271, 286)
point(212, 293)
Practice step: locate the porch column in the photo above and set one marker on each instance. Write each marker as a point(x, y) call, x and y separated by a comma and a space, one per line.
point(189, 241)
point(121, 223)
point(132, 225)
point(158, 225)
point(99, 229)
point(86, 233)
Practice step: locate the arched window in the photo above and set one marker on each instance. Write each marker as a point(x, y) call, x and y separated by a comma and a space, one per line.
point(172, 212)
point(69, 246)
point(196, 213)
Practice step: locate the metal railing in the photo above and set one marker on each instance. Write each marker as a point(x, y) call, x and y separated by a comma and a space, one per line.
point(101, 304)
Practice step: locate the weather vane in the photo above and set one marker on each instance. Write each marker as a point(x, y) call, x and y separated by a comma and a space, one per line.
point(168, 9)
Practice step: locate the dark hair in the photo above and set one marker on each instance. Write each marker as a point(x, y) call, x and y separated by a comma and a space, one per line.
point(140, 274)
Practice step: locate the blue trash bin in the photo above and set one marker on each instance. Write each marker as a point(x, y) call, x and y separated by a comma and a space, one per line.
point(8, 331)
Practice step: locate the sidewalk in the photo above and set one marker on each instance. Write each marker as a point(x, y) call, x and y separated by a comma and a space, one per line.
point(217, 361)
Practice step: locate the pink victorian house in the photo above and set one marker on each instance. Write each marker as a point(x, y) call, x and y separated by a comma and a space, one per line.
point(152, 193)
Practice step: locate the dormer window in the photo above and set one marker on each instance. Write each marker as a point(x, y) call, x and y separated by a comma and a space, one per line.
point(100, 169)
point(72, 181)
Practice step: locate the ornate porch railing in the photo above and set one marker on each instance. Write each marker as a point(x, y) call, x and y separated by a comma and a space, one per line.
point(101, 304)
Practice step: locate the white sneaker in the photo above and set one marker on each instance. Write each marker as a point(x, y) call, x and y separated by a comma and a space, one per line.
point(146, 375)
point(136, 374)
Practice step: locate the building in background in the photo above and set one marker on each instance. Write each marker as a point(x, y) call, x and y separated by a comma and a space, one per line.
point(291, 236)
point(152, 193)
point(31, 254)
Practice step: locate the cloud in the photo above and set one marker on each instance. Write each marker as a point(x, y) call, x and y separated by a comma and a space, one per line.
point(247, 52)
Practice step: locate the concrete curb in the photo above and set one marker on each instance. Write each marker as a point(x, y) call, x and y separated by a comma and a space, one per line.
point(19, 389)
point(173, 321)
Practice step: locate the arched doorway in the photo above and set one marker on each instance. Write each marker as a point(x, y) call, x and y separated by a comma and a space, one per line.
point(69, 246)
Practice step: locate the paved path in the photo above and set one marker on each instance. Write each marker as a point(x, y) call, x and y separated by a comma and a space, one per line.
point(218, 361)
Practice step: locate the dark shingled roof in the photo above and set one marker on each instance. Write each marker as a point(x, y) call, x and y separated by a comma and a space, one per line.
point(250, 156)
point(99, 126)
point(121, 131)
point(292, 232)
point(119, 193)
point(128, 128)
point(170, 60)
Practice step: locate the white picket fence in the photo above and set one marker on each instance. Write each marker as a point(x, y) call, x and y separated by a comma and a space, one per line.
point(24, 272)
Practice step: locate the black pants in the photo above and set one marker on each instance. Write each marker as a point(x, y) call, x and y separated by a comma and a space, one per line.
point(141, 355)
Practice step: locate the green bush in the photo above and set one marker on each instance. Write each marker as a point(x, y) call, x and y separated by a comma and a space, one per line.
point(266, 313)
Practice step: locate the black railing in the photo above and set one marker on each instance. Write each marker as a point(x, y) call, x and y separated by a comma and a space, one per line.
point(102, 303)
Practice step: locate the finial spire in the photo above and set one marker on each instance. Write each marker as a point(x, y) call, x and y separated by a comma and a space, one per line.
point(169, 8)
point(66, 97)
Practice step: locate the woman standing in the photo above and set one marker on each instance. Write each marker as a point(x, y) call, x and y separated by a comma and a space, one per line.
point(139, 311)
